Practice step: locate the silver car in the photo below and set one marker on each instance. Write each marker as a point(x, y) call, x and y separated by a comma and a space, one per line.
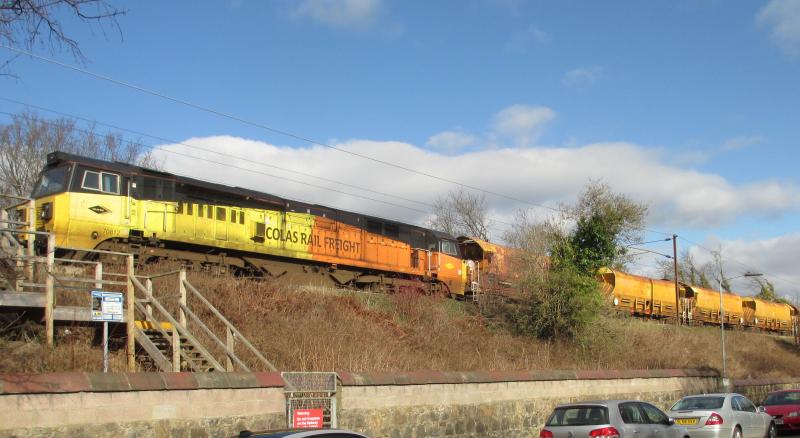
point(610, 419)
point(725, 415)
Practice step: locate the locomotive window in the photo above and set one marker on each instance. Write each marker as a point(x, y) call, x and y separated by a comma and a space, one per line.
point(179, 210)
point(241, 218)
point(91, 180)
point(189, 209)
point(110, 182)
point(391, 230)
point(51, 181)
point(220, 214)
point(209, 212)
point(449, 247)
point(233, 216)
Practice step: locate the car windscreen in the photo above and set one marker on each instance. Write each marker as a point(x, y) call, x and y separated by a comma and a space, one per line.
point(698, 403)
point(51, 182)
point(578, 416)
point(782, 398)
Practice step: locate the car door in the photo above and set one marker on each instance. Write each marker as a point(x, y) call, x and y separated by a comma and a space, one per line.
point(757, 421)
point(635, 424)
point(657, 421)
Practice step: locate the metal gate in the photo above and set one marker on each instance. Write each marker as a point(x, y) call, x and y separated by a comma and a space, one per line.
point(314, 390)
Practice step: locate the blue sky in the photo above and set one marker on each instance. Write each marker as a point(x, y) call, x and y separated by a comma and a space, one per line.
point(690, 106)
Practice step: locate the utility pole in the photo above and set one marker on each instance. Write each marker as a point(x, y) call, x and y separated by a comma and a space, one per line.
point(677, 294)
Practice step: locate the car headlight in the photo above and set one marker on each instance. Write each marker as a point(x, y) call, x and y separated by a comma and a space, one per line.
point(47, 211)
point(794, 414)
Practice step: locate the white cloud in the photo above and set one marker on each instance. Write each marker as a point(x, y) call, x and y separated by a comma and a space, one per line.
point(342, 14)
point(522, 123)
point(520, 42)
point(737, 143)
point(678, 198)
point(782, 19)
point(451, 141)
point(582, 77)
point(775, 257)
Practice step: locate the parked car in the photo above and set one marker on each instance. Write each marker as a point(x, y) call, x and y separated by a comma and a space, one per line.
point(784, 406)
point(302, 433)
point(722, 416)
point(610, 419)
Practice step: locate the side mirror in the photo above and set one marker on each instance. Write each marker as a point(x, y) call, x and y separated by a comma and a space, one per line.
point(670, 421)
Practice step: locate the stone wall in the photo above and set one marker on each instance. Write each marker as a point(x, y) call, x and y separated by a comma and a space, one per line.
point(139, 404)
point(757, 389)
point(422, 404)
point(495, 405)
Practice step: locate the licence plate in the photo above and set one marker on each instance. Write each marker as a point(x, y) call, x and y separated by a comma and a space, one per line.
point(686, 421)
point(779, 421)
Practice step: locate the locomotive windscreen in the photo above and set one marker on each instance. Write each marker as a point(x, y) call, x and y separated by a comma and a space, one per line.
point(51, 181)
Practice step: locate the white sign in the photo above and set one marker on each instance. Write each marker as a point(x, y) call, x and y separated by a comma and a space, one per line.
point(106, 306)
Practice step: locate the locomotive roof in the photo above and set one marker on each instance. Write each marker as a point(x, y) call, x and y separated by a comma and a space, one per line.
point(57, 157)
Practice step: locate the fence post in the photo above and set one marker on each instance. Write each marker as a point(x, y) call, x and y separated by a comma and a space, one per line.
point(31, 216)
point(176, 350)
point(129, 316)
point(149, 285)
point(49, 289)
point(229, 344)
point(181, 313)
point(98, 276)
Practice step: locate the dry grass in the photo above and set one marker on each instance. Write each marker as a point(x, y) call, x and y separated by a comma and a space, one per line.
point(320, 329)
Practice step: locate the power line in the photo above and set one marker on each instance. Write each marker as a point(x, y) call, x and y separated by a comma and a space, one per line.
point(251, 170)
point(228, 155)
point(286, 133)
point(130, 142)
point(740, 263)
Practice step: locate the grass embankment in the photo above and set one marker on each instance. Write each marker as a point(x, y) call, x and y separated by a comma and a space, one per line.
point(318, 329)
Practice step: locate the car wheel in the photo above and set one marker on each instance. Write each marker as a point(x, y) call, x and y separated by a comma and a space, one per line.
point(737, 433)
point(771, 431)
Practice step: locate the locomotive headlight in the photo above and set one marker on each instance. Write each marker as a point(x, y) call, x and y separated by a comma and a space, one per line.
point(47, 211)
point(616, 301)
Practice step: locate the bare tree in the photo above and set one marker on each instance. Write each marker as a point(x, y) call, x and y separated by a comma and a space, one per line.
point(688, 271)
point(27, 23)
point(461, 213)
point(28, 138)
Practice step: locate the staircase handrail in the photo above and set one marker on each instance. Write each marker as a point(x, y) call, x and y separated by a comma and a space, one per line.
point(228, 351)
point(181, 329)
point(230, 326)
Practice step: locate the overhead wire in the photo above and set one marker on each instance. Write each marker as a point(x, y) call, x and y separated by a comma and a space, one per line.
point(287, 133)
point(223, 154)
point(740, 263)
point(131, 142)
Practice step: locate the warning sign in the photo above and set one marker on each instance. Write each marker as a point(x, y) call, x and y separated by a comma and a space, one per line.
point(307, 419)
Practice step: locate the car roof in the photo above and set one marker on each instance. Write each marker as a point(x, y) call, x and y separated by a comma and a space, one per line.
point(596, 403)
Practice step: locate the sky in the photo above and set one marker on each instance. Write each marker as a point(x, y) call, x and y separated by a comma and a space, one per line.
point(689, 106)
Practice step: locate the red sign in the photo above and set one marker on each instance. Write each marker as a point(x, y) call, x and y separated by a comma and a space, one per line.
point(307, 419)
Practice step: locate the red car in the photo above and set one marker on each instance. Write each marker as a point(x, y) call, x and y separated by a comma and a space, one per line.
point(784, 406)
